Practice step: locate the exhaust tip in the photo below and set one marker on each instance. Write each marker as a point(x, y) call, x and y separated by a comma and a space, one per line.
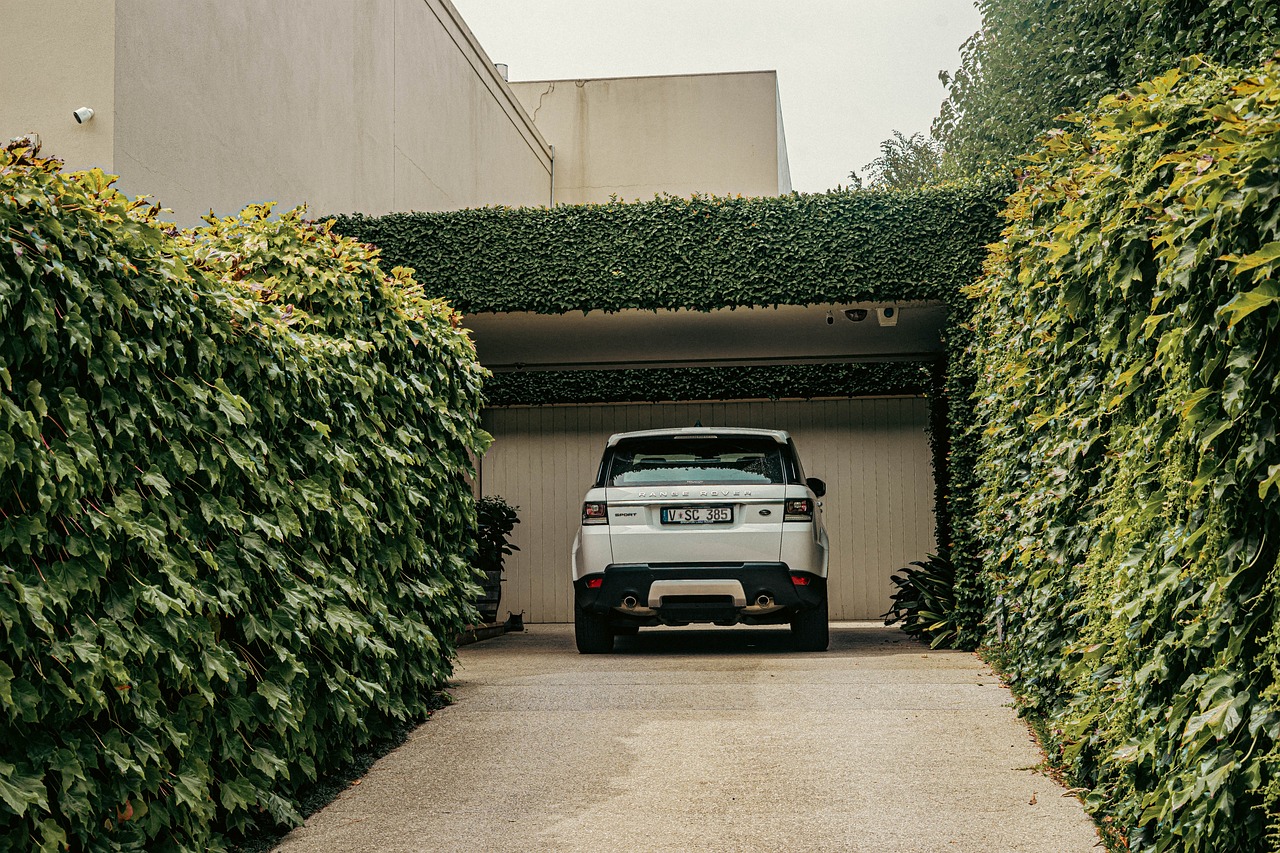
point(764, 601)
point(630, 602)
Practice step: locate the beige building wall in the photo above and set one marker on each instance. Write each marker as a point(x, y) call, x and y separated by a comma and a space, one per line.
point(638, 137)
point(361, 105)
point(347, 105)
point(873, 454)
point(58, 56)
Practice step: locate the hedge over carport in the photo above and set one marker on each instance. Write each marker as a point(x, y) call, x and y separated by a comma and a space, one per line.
point(706, 253)
point(699, 254)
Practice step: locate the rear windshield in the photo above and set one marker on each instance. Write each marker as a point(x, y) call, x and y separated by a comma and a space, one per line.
point(670, 461)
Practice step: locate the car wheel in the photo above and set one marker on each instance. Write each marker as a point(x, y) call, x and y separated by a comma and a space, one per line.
point(626, 630)
point(592, 632)
point(812, 629)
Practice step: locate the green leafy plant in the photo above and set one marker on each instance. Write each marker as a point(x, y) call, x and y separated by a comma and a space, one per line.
point(1125, 344)
point(698, 254)
point(1034, 60)
point(905, 163)
point(532, 388)
point(495, 520)
point(233, 515)
point(924, 601)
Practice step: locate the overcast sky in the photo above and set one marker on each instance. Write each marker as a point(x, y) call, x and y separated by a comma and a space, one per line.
point(850, 71)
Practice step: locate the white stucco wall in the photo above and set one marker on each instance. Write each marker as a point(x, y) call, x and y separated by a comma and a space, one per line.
point(347, 105)
point(640, 136)
point(57, 56)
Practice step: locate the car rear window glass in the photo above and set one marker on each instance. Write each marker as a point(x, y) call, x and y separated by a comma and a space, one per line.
point(669, 461)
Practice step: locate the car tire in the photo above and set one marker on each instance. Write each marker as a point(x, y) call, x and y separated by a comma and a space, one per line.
point(626, 630)
point(811, 629)
point(593, 633)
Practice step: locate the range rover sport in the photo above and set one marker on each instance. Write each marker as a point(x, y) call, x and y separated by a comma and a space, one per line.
point(700, 524)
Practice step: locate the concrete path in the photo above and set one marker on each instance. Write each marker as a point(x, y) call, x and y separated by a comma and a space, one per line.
point(711, 739)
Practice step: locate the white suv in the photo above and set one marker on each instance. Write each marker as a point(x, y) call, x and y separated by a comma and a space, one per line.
point(700, 525)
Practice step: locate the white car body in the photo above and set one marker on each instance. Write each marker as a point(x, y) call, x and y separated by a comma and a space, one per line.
point(672, 537)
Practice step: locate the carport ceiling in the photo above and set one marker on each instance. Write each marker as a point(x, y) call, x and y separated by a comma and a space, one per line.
point(737, 336)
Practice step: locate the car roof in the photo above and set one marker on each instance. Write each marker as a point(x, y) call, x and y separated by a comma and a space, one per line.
point(777, 435)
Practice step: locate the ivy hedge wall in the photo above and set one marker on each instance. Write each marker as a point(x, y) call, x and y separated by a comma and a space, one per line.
point(706, 253)
point(234, 490)
point(1128, 348)
point(653, 385)
point(699, 254)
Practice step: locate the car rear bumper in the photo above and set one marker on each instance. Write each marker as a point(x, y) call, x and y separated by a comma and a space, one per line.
point(680, 593)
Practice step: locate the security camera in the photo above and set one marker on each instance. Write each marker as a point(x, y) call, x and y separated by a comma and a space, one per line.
point(831, 320)
point(83, 114)
point(855, 315)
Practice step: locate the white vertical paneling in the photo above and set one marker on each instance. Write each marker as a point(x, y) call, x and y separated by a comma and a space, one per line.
point(873, 454)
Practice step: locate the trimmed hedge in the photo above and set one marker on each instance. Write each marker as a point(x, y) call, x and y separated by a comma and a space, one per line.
point(655, 385)
point(699, 254)
point(707, 253)
point(233, 511)
point(1126, 342)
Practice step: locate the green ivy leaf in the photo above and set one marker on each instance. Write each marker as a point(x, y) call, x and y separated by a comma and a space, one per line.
point(1244, 304)
point(1268, 254)
point(20, 791)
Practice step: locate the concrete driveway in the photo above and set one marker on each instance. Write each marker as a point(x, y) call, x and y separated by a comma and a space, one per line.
point(711, 739)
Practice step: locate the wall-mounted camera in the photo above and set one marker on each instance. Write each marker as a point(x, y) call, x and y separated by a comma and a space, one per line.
point(83, 114)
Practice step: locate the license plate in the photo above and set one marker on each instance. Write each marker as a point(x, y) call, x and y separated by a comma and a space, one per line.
point(697, 515)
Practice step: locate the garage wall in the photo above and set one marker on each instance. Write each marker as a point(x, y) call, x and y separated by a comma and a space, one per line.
point(873, 454)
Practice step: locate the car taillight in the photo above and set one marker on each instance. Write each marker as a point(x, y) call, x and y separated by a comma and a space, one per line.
point(799, 580)
point(595, 513)
point(799, 509)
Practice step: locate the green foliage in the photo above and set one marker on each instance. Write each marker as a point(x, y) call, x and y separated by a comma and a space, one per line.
point(495, 519)
point(697, 254)
point(905, 163)
point(1126, 343)
point(1035, 59)
point(234, 471)
point(924, 601)
point(534, 388)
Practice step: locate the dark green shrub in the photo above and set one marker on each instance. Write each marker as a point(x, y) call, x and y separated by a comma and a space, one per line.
point(1033, 60)
point(925, 601)
point(698, 254)
point(234, 494)
point(659, 384)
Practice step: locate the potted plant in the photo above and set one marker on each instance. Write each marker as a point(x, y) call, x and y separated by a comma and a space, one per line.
point(495, 519)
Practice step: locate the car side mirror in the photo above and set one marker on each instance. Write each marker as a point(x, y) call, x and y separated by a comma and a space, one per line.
point(816, 486)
